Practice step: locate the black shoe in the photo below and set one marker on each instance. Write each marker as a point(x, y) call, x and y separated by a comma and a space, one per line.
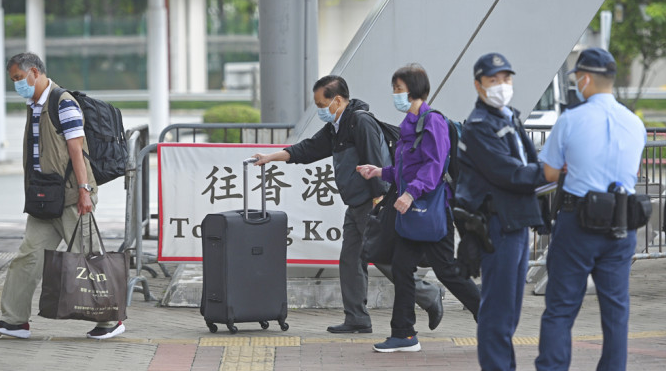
point(349, 329)
point(435, 314)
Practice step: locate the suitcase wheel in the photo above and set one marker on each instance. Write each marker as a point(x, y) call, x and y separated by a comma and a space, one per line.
point(211, 327)
point(284, 326)
point(264, 324)
point(233, 329)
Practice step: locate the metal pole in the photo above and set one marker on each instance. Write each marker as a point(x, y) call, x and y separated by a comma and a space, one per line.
point(282, 61)
point(158, 70)
point(3, 102)
point(311, 50)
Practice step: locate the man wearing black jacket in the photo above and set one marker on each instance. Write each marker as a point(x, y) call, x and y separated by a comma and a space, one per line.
point(353, 138)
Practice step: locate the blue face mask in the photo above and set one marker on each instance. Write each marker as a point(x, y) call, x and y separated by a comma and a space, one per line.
point(325, 114)
point(579, 93)
point(401, 102)
point(23, 89)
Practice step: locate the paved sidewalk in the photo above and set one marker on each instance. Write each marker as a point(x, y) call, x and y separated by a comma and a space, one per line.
point(159, 338)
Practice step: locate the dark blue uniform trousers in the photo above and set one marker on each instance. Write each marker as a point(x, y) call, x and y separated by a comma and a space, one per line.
point(502, 285)
point(573, 255)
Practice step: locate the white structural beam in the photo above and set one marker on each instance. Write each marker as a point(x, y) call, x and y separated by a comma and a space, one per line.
point(447, 39)
point(178, 45)
point(3, 101)
point(158, 71)
point(34, 24)
point(197, 53)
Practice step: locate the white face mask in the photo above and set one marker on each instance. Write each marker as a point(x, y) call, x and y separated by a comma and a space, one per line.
point(579, 92)
point(498, 96)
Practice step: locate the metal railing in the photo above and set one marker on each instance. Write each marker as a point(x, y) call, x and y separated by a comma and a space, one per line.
point(649, 239)
point(137, 138)
point(194, 129)
point(651, 182)
point(138, 215)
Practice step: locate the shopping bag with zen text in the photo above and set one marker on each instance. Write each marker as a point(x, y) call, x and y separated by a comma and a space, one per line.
point(84, 286)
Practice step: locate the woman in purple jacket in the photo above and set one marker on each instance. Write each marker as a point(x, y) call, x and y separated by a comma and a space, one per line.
point(422, 171)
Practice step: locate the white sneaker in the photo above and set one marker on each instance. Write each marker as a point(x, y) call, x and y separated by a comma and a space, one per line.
point(106, 333)
point(18, 331)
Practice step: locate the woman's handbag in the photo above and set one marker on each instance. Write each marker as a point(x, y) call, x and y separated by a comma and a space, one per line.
point(379, 236)
point(84, 286)
point(425, 220)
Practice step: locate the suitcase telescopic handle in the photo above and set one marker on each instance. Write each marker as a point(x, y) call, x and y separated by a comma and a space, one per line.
point(246, 162)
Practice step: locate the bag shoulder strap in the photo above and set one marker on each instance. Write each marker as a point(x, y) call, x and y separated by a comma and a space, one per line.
point(420, 124)
point(54, 100)
point(368, 113)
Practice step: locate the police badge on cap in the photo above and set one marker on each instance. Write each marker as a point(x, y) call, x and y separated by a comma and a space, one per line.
point(490, 64)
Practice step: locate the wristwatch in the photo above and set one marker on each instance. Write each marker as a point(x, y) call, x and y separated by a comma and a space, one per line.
point(86, 186)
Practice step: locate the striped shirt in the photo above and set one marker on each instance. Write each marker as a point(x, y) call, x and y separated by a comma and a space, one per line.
point(70, 116)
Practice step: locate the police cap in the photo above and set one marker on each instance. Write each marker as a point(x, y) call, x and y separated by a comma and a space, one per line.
point(595, 60)
point(490, 64)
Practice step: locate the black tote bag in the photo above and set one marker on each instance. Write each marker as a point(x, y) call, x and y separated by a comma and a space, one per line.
point(84, 286)
point(379, 236)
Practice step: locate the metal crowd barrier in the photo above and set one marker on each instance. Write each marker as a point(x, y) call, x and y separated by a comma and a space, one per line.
point(650, 239)
point(138, 216)
point(650, 181)
point(137, 138)
point(137, 223)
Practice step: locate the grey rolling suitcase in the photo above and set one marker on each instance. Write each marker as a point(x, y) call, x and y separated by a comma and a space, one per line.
point(245, 265)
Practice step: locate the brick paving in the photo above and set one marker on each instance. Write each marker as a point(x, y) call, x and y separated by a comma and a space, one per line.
point(159, 338)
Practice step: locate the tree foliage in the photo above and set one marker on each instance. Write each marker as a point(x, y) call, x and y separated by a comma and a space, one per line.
point(638, 32)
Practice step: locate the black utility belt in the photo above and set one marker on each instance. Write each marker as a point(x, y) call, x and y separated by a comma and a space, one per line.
point(609, 213)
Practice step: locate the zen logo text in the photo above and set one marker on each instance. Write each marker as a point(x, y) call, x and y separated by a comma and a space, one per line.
point(85, 275)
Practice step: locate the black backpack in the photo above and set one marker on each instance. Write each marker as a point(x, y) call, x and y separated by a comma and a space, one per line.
point(455, 131)
point(391, 133)
point(104, 133)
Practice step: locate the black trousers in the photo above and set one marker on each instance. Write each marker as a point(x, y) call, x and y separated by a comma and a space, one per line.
point(440, 254)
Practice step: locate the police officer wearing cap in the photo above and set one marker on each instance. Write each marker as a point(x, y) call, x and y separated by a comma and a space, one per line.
point(499, 172)
point(600, 142)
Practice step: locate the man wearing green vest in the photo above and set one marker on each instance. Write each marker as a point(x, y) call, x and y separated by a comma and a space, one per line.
point(47, 150)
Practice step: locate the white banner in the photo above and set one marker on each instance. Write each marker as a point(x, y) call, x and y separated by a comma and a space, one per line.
point(199, 179)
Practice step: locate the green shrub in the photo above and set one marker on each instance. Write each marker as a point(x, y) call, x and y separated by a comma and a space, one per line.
point(229, 113)
point(14, 26)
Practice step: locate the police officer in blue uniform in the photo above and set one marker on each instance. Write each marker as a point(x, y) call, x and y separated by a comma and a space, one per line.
point(600, 142)
point(499, 172)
